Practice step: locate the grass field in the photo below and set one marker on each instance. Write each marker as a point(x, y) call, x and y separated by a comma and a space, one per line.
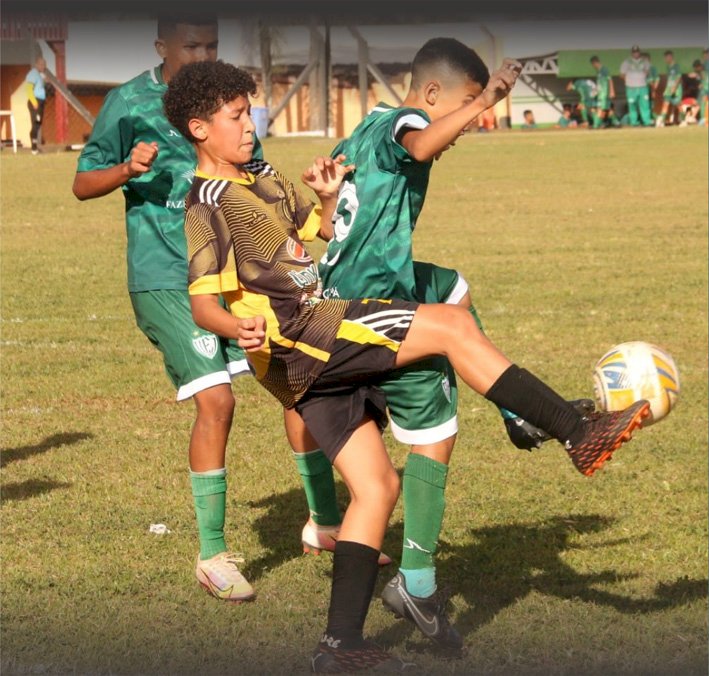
point(571, 242)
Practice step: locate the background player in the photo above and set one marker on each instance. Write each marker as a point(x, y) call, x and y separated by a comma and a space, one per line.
point(586, 89)
point(605, 93)
point(133, 147)
point(36, 96)
point(634, 71)
point(672, 96)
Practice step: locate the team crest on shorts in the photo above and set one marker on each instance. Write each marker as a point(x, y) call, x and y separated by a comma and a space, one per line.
point(297, 251)
point(206, 345)
point(446, 385)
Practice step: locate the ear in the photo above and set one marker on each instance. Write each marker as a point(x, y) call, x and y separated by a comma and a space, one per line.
point(198, 128)
point(161, 48)
point(431, 90)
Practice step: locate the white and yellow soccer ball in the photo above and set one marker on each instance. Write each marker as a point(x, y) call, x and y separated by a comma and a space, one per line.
point(637, 370)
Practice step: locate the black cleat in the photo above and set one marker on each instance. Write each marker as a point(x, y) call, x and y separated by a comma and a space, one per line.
point(527, 437)
point(330, 658)
point(428, 614)
point(603, 434)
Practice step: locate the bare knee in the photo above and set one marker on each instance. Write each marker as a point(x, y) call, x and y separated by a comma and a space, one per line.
point(215, 405)
point(382, 490)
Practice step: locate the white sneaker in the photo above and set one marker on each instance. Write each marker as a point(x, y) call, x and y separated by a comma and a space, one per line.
point(318, 538)
point(659, 122)
point(220, 576)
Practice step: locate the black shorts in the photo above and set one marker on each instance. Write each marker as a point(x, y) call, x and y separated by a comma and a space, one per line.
point(345, 391)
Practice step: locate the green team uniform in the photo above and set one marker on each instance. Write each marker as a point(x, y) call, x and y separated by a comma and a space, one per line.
point(673, 88)
point(653, 75)
point(587, 91)
point(157, 249)
point(603, 88)
point(636, 72)
point(564, 121)
point(370, 256)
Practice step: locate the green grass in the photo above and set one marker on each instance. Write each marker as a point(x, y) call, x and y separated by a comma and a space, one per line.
point(570, 242)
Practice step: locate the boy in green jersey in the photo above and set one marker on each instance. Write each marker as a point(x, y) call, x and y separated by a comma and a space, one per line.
point(700, 73)
point(371, 255)
point(672, 96)
point(605, 95)
point(586, 90)
point(323, 357)
point(653, 80)
point(133, 147)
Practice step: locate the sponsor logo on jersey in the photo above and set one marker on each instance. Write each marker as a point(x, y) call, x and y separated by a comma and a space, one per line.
point(331, 292)
point(306, 277)
point(175, 204)
point(297, 251)
point(206, 345)
point(188, 175)
point(172, 132)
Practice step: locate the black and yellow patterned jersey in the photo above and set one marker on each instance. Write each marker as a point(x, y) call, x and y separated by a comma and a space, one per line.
point(245, 242)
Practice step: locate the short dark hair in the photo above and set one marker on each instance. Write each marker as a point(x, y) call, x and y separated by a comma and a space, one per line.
point(669, 52)
point(440, 53)
point(199, 90)
point(696, 63)
point(525, 112)
point(167, 23)
point(594, 58)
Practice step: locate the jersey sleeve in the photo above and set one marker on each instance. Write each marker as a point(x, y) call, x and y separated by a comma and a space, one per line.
point(211, 263)
point(304, 214)
point(111, 139)
point(624, 67)
point(388, 151)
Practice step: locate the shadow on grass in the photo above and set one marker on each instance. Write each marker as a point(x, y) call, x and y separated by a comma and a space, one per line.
point(28, 489)
point(278, 530)
point(8, 455)
point(506, 563)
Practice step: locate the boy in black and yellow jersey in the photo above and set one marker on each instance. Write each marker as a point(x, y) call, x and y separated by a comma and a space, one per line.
point(245, 224)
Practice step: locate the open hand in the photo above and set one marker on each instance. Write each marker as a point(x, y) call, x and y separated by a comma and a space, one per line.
point(501, 82)
point(325, 175)
point(252, 333)
point(142, 158)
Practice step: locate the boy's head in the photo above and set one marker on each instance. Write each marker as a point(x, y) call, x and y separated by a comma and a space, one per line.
point(669, 56)
point(567, 110)
point(646, 56)
point(595, 62)
point(445, 75)
point(698, 66)
point(40, 64)
point(208, 102)
point(186, 38)
point(635, 51)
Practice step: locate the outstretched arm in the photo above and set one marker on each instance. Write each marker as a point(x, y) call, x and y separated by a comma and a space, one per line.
point(100, 182)
point(425, 144)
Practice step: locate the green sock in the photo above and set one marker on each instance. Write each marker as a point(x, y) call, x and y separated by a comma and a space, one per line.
point(424, 503)
point(597, 121)
point(319, 483)
point(209, 493)
point(503, 411)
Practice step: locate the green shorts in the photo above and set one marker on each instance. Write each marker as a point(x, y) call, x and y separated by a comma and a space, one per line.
point(422, 398)
point(603, 102)
point(194, 359)
point(676, 98)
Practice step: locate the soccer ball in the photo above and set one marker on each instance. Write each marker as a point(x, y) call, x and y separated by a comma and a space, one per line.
point(637, 370)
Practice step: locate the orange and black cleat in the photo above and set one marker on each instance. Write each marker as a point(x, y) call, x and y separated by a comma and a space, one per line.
point(603, 434)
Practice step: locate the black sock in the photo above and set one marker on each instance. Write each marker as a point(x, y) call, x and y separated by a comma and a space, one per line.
point(354, 573)
point(519, 391)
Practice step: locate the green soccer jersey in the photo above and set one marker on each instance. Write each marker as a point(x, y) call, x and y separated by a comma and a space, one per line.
point(603, 82)
point(674, 77)
point(370, 254)
point(586, 89)
point(653, 75)
point(155, 201)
